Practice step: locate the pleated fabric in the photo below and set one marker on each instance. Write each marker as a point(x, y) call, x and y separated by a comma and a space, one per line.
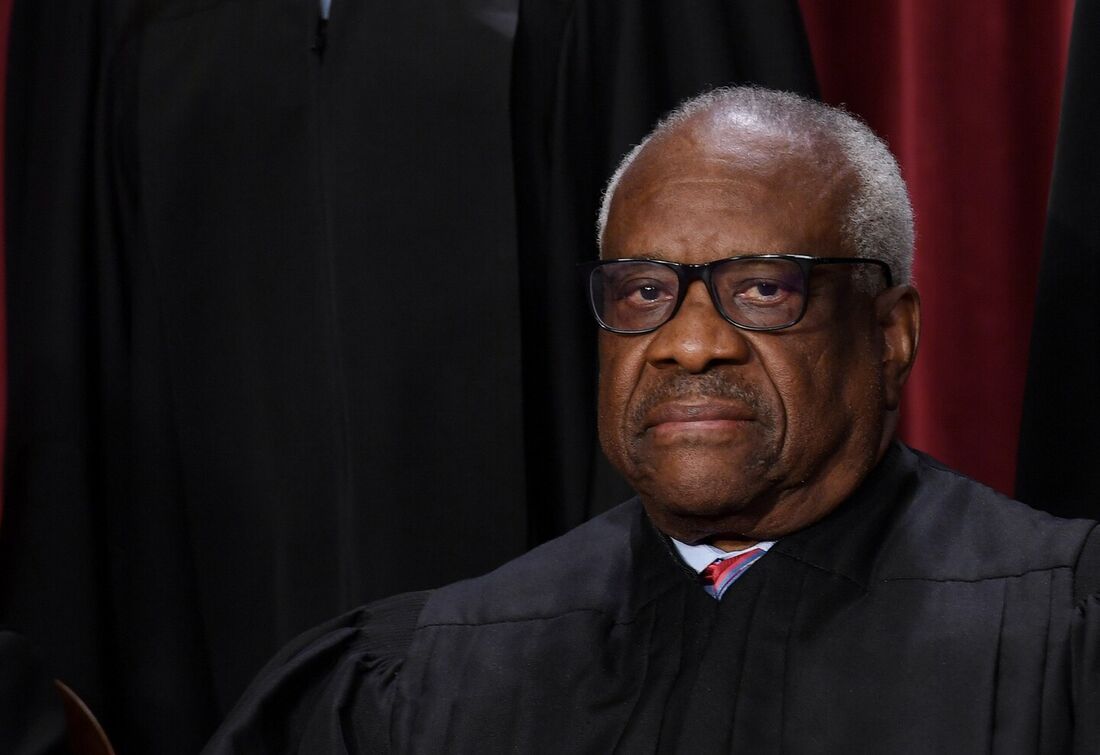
point(294, 323)
point(1058, 441)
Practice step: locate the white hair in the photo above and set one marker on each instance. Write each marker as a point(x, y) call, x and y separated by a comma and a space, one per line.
point(879, 220)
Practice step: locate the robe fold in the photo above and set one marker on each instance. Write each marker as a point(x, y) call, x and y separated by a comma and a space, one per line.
point(285, 305)
point(926, 614)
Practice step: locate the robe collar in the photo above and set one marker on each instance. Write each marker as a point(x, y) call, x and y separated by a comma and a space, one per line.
point(847, 541)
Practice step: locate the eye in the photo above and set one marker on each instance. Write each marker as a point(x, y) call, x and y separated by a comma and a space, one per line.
point(642, 292)
point(762, 292)
point(765, 290)
point(650, 293)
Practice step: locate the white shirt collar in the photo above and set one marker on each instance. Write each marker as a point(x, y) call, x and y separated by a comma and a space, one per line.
point(699, 557)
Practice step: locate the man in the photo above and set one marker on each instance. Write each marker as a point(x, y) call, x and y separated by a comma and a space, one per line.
point(758, 327)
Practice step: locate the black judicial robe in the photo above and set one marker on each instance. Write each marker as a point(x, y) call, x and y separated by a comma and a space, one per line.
point(284, 305)
point(926, 614)
point(1055, 468)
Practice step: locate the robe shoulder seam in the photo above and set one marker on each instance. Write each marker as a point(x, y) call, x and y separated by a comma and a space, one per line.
point(527, 619)
point(987, 578)
point(984, 578)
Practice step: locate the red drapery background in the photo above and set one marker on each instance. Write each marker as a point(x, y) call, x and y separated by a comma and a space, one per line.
point(967, 95)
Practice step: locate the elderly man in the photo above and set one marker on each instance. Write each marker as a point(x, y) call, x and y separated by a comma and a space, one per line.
point(790, 578)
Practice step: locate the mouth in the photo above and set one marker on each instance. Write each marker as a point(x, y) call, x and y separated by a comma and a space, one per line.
point(696, 418)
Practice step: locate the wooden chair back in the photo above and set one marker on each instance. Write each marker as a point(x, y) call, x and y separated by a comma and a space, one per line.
point(85, 735)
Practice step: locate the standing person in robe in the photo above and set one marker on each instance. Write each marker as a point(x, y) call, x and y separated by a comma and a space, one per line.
point(255, 267)
point(789, 577)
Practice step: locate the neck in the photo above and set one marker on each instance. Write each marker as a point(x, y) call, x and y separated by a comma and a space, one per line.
point(731, 544)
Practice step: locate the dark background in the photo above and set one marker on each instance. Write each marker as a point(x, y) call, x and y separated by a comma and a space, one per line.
point(292, 320)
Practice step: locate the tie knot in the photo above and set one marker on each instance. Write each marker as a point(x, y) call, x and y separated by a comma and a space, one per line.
point(721, 573)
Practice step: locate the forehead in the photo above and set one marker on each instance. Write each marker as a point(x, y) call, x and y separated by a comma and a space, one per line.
point(695, 195)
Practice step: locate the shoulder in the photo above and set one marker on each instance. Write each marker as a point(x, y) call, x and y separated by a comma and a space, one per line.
point(586, 569)
point(952, 527)
point(334, 680)
point(379, 632)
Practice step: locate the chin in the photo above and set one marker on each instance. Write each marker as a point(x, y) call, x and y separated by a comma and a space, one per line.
point(707, 504)
point(696, 511)
point(703, 481)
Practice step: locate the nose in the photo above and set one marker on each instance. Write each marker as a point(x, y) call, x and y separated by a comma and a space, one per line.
point(698, 337)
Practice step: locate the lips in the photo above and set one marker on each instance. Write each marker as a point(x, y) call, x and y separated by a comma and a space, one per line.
point(688, 412)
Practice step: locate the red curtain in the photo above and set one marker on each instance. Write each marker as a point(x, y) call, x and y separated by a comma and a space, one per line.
point(967, 95)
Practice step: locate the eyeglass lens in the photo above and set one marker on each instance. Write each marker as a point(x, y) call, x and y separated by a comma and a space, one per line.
point(636, 296)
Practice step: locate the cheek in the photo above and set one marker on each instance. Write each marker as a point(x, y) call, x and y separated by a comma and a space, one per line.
point(829, 394)
point(621, 363)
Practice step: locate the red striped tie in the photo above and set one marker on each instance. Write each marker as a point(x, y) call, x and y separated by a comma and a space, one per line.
point(721, 573)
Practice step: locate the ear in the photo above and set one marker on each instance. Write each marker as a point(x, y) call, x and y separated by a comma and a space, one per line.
point(897, 311)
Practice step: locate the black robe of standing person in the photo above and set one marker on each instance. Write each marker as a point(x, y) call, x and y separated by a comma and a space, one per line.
point(927, 614)
point(288, 301)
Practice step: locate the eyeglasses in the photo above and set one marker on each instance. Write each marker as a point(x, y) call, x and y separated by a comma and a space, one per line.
point(754, 292)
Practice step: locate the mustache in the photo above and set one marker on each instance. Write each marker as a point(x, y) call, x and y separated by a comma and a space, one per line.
point(709, 385)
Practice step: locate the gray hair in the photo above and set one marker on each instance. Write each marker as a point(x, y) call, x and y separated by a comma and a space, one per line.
point(879, 221)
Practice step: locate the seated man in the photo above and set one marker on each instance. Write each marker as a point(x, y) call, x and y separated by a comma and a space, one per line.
point(790, 578)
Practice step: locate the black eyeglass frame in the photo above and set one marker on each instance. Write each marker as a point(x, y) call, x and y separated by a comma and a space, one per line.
point(687, 273)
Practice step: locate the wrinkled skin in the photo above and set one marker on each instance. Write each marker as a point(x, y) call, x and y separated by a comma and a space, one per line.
point(732, 436)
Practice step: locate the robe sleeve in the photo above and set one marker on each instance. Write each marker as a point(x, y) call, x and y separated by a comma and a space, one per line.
point(329, 690)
